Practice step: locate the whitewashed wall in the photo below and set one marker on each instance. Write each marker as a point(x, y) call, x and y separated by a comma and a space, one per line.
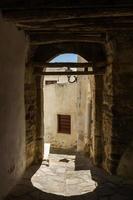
point(70, 99)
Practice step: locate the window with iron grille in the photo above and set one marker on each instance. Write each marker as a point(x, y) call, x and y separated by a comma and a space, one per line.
point(50, 82)
point(64, 124)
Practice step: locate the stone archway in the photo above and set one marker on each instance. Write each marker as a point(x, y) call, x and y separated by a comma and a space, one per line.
point(98, 64)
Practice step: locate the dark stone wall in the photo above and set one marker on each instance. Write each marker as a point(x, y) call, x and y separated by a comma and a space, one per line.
point(118, 106)
point(40, 120)
point(122, 151)
point(98, 138)
point(107, 118)
point(33, 116)
point(30, 114)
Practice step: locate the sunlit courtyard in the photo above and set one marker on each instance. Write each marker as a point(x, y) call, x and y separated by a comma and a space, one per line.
point(58, 176)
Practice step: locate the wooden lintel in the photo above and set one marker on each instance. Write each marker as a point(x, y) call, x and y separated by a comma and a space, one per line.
point(42, 65)
point(111, 27)
point(88, 21)
point(37, 43)
point(38, 39)
point(47, 14)
point(66, 73)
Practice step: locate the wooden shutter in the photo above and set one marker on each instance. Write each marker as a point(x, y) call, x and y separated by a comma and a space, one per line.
point(64, 124)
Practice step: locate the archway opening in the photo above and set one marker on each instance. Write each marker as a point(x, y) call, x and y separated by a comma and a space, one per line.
point(67, 125)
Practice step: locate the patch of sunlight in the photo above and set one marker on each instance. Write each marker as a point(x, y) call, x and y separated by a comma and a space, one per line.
point(46, 150)
point(58, 176)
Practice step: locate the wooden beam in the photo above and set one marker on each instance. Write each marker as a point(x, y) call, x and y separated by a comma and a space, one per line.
point(42, 65)
point(69, 73)
point(79, 21)
point(116, 27)
point(80, 26)
point(41, 39)
point(42, 34)
point(10, 4)
point(89, 64)
point(47, 14)
point(41, 71)
point(65, 73)
point(84, 33)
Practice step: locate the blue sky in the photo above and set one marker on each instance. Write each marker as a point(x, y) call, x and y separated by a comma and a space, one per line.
point(67, 57)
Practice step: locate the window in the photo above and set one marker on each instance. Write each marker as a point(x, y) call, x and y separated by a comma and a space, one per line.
point(50, 82)
point(64, 124)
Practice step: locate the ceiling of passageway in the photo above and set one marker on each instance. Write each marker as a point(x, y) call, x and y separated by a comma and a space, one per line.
point(61, 26)
point(62, 3)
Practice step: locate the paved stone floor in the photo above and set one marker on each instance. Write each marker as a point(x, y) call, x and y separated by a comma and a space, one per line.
point(70, 177)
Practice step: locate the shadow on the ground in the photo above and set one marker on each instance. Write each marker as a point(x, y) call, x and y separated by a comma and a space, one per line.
point(106, 189)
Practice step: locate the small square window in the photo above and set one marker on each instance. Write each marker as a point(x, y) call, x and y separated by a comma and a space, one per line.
point(64, 124)
point(50, 82)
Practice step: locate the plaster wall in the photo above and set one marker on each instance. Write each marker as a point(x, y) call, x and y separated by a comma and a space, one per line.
point(84, 110)
point(83, 113)
point(60, 99)
point(13, 48)
point(71, 99)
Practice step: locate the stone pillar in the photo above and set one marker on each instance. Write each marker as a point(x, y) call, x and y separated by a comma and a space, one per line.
point(34, 116)
point(83, 118)
point(118, 107)
point(39, 116)
point(122, 109)
point(30, 114)
point(82, 109)
point(81, 115)
point(107, 117)
point(88, 119)
point(98, 135)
